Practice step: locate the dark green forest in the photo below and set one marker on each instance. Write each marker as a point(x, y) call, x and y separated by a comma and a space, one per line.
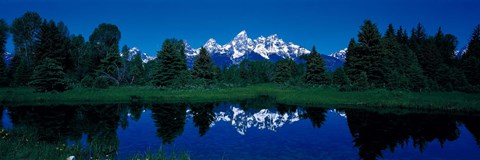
point(49, 58)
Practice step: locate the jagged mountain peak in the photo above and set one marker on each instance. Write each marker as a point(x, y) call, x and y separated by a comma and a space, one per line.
point(273, 37)
point(340, 55)
point(461, 52)
point(242, 34)
point(134, 51)
point(242, 47)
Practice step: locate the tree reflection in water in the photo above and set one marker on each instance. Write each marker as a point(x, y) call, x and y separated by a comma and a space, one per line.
point(374, 132)
point(316, 115)
point(170, 120)
point(203, 116)
point(472, 123)
point(58, 124)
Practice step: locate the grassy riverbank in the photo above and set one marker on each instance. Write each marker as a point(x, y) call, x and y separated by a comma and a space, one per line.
point(26, 144)
point(285, 95)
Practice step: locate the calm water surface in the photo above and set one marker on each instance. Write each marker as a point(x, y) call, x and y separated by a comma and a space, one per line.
point(249, 130)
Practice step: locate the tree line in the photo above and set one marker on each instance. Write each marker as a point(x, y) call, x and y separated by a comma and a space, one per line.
point(416, 62)
point(49, 58)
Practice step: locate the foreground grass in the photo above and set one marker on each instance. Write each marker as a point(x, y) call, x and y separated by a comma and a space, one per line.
point(324, 96)
point(25, 144)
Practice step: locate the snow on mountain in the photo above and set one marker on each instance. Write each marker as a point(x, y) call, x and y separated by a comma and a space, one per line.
point(242, 47)
point(341, 55)
point(263, 119)
point(461, 52)
point(134, 51)
point(340, 113)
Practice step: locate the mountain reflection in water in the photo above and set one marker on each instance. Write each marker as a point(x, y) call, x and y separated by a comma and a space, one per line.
point(240, 130)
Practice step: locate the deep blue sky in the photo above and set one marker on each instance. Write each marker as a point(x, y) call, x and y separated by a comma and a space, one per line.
point(327, 24)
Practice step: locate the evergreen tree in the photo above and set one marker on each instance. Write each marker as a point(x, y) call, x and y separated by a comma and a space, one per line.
point(369, 40)
point(425, 51)
point(367, 56)
point(50, 43)
point(137, 71)
point(340, 78)
point(284, 70)
point(417, 81)
point(21, 73)
point(471, 59)
point(172, 66)
point(474, 44)
point(354, 64)
point(203, 66)
point(231, 75)
point(402, 36)
point(48, 76)
point(446, 45)
point(315, 73)
point(362, 82)
point(245, 69)
point(3, 66)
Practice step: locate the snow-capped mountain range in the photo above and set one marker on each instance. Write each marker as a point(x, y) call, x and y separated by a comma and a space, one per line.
point(134, 51)
point(242, 47)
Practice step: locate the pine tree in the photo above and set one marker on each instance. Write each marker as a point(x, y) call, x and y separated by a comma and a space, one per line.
point(473, 49)
point(362, 82)
point(137, 70)
point(21, 73)
point(340, 78)
point(446, 45)
point(50, 43)
point(315, 73)
point(425, 51)
point(369, 40)
point(417, 81)
point(203, 66)
point(367, 56)
point(48, 76)
point(3, 66)
point(354, 64)
point(471, 59)
point(284, 70)
point(172, 66)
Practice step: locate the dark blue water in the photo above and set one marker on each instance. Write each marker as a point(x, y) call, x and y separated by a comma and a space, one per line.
point(235, 131)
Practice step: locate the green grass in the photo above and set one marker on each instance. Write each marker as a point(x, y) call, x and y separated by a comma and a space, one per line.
point(317, 96)
point(23, 143)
